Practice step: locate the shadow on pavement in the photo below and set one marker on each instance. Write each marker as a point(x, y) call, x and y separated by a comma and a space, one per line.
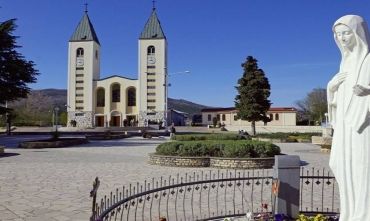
point(9, 155)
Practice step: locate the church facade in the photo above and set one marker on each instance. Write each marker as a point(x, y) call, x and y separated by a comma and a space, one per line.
point(116, 101)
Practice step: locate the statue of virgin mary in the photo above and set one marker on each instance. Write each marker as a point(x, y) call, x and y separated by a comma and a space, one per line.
point(349, 114)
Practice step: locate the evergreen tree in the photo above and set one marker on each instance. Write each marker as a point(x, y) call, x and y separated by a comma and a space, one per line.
point(252, 101)
point(15, 71)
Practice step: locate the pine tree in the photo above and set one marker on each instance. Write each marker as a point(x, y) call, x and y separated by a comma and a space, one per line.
point(252, 101)
point(15, 71)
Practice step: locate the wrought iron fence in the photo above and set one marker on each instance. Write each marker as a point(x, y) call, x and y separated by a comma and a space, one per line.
point(197, 196)
point(318, 192)
point(212, 195)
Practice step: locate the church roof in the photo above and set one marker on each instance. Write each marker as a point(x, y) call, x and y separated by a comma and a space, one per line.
point(85, 31)
point(152, 29)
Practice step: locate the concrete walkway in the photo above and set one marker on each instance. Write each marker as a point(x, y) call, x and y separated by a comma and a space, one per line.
point(54, 184)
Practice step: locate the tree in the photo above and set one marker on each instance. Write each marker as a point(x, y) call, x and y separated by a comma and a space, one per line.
point(313, 107)
point(252, 102)
point(15, 71)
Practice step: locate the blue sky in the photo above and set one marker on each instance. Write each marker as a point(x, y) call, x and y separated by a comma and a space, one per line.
point(291, 39)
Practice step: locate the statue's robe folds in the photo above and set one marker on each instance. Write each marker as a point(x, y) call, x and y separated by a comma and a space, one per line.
point(350, 153)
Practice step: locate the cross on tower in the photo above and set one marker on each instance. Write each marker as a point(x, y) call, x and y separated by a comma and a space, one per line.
point(86, 7)
point(153, 4)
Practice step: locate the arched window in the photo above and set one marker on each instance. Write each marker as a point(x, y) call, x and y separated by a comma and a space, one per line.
point(276, 116)
point(271, 117)
point(131, 97)
point(116, 93)
point(100, 97)
point(80, 52)
point(151, 50)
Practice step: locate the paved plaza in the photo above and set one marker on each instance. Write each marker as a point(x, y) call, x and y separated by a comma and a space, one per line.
point(54, 184)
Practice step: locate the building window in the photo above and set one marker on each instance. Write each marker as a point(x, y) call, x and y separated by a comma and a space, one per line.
point(79, 82)
point(150, 66)
point(151, 50)
point(271, 117)
point(79, 114)
point(235, 117)
point(218, 117)
point(150, 73)
point(151, 113)
point(151, 94)
point(79, 95)
point(209, 117)
point(79, 108)
point(223, 117)
point(116, 93)
point(276, 116)
point(150, 87)
point(79, 75)
point(131, 97)
point(150, 80)
point(96, 54)
point(151, 100)
point(80, 52)
point(79, 68)
point(100, 97)
point(151, 107)
point(79, 88)
point(79, 101)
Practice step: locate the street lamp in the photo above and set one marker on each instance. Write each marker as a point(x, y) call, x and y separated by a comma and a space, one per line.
point(166, 85)
point(326, 119)
point(56, 109)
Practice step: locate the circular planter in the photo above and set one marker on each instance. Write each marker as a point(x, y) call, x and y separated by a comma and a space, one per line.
point(178, 161)
point(62, 142)
point(242, 163)
point(216, 162)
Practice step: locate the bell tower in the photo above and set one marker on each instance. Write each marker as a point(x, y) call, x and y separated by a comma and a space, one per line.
point(83, 69)
point(152, 71)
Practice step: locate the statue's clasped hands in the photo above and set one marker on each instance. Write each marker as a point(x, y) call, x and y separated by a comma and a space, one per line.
point(360, 90)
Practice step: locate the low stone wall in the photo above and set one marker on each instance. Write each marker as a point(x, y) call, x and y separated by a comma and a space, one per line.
point(52, 144)
point(275, 129)
point(177, 161)
point(242, 163)
point(217, 162)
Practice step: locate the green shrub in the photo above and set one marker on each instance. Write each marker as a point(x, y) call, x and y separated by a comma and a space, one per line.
point(222, 148)
point(290, 137)
point(215, 136)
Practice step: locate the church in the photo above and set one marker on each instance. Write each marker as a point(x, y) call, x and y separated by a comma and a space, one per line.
point(116, 101)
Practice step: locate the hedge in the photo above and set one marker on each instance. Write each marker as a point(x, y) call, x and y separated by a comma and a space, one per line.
point(288, 136)
point(216, 136)
point(223, 148)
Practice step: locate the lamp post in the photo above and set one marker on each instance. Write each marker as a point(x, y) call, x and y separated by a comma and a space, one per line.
point(166, 85)
point(56, 109)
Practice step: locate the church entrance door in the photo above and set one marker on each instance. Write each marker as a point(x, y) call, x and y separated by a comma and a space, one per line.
point(115, 121)
point(99, 121)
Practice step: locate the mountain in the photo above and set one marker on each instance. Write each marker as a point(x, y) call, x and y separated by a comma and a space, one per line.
point(49, 98)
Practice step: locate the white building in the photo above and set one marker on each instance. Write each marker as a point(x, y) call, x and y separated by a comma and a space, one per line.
point(280, 116)
point(112, 101)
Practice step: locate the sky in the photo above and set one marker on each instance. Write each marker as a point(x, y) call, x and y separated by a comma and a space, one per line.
point(291, 39)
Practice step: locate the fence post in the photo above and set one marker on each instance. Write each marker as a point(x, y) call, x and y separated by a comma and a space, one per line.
point(287, 172)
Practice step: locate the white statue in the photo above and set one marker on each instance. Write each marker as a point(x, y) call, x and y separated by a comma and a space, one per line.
point(349, 114)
